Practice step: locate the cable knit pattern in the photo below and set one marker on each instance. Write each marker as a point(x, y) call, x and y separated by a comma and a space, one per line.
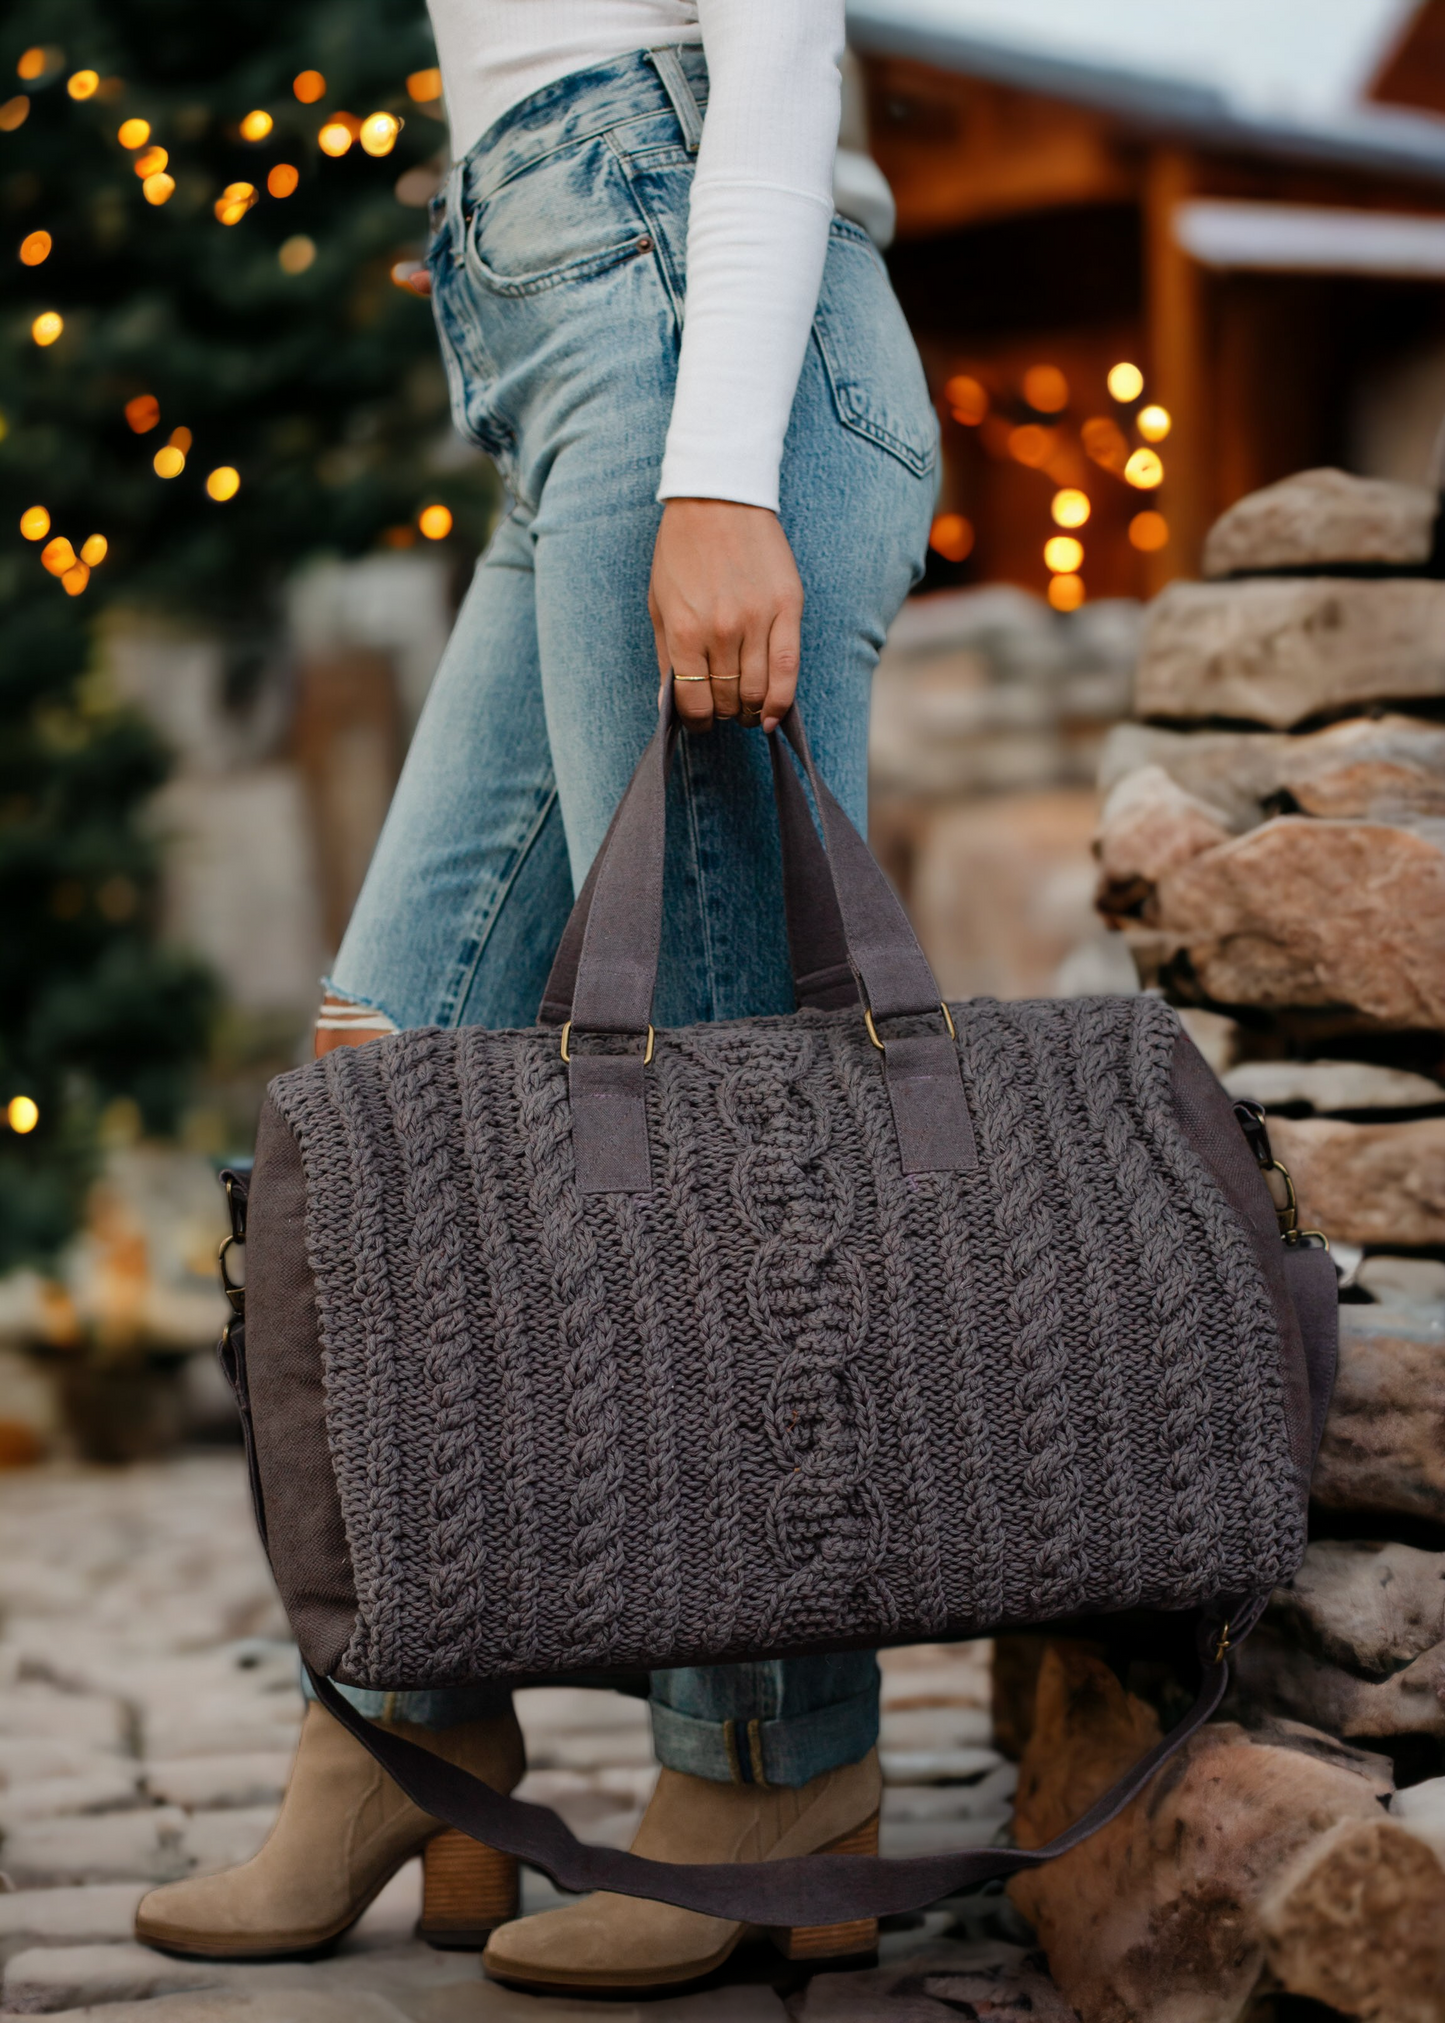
point(794, 1396)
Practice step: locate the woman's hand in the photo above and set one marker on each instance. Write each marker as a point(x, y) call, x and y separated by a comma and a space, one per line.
point(727, 611)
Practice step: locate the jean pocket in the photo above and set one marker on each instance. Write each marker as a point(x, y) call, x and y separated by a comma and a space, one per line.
point(873, 368)
point(467, 360)
point(564, 219)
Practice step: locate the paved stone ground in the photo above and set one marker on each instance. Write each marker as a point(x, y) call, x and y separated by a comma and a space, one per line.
point(148, 1707)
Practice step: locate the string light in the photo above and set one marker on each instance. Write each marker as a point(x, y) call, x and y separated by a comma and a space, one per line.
point(378, 133)
point(1063, 554)
point(35, 523)
point(256, 125)
point(181, 439)
point(952, 537)
point(75, 579)
point(424, 86)
point(435, 522)
point(158, 189)
point(57, 556)
point(309, 86)
point(22, 1114)
point(1125, 382)
point(94, 549)
point(143, 412)
point(14, 113)
point(1045, 389)
point(150, 163)
point(34, 63)
point(296, 255)
point(84, 84)
point(282, 180)
point(1154, 423)
point(1070, 508)
point(133, 133)
point(967, 399)
point(34, 248)
point(1031, 445)
point(1066, 593)
point(47, 327)
point(234, 202)
point(223, 483)
point(1105, 442)
point(1149, 532)
point(168, 461)
point(334, 138)
point(1144, 470)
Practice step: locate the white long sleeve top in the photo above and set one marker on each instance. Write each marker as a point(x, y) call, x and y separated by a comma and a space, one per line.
point(762, 196)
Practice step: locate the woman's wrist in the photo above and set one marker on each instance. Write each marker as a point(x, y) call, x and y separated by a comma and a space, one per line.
point(727, 605)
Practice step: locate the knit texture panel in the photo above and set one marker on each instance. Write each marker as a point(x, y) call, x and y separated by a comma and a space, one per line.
point(793, 1397)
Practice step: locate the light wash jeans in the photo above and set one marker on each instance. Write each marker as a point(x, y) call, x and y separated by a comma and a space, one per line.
point(558, 270)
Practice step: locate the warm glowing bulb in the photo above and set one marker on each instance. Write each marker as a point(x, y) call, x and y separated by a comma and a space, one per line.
point(84, 84)
point(134, 133)
point(22, 1114)
point(34, 248)
point(223, 483)
point(1046, 389)
point(75, 579)
point(58, 556)
point(180, 439)
point(150, 162)
point(424, 86)
point(309, 86)
point(1066, 593)
point(334, 138)
point(1125, 381)
point(168, 462)
point(143, 412)
point(234, 202)
point(967, 398)
point(1154, 423)
point(952, 537)
point(14, 113)
point(35, 523)
point(378, 132)
point(1030, 444)
point(94, 550)
point(158, 189)
point(1144, 470)
point(256, 125)
point(31, 65)
point(435, 522)
point(294, 256)
point(1070, 508)
point(47, 327)
point(1063, 554)
point(1149, 532)
point(282, 180)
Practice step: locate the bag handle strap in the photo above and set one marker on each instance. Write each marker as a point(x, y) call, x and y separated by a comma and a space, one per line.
point(619, 918)
point(801, 1890)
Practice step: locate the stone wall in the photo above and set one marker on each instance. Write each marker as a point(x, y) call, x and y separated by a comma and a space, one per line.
point(1272, 850)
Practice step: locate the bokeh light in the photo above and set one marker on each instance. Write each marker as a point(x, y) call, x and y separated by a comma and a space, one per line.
point(58, 555)
point(309, 86)
point(1144, 470)
point(75, 579)
point(94, 549)
point(223, 483)
point(435, 522)
point(1154, 422)
point(378, 133)
point(282, 180)
point(256, 125)
point(143, 412)
point(1031, 444)
point(180, 439)
point(47, 326)
point(1105, 442)
point(424, 86)
point(334, 138)
point(1063, 554)
point(150, 162)
point(34, 248)
point(13, 113)
point(22, 1114)
point(952, 537)
point(84, 84)
point(1066, 593)
point(295, 255)
point(1046, 389)
point(158, 189)
point(134, 133)
point(1149, 532)
point(34, 63)
point(1125, 382)
point(1070, 508)
point(967, 397)
point(168, 461)
point(35, 523)
point(234, 202)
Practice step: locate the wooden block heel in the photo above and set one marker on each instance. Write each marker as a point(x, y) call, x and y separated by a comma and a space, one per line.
point(468, 1890)
point(835, 1942)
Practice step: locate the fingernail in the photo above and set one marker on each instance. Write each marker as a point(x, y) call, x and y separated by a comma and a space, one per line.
point(770, 723)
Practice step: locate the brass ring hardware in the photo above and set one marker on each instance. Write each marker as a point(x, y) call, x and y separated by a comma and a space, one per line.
point(1222, 1646)
point(646, 1058)
point(1288, 1216)
point(235, 1294)
point(873, 1030)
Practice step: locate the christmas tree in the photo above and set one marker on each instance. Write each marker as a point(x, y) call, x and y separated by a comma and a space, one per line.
point(208, 372)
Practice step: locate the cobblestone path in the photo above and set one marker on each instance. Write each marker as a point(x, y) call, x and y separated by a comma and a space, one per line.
point(148, 1708)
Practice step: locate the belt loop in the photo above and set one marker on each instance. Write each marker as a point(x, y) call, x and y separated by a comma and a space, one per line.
point(456, 192)
point(668, 65)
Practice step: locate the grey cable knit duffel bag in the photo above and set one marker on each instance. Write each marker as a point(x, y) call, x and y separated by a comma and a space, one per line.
point(585, 1348)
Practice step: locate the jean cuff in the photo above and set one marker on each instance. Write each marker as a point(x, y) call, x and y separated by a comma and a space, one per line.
point(442, 1707)
point(792, 1750)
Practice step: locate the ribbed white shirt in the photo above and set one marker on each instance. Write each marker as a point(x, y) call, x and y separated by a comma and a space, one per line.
point(761, 199)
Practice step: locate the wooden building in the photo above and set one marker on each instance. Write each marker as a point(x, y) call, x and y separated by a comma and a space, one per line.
point(1059, 219)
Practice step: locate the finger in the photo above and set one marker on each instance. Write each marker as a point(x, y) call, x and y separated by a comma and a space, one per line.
point(691, 687)
point(420, 282)
point(753, 683)
point(784, 660)
point(722, 663)
point(659, 635)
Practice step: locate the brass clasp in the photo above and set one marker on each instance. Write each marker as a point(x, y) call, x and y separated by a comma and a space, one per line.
point(566, 1033)
point(873, 1030)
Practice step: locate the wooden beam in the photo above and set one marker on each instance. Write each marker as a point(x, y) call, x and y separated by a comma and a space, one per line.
point(1177, 366)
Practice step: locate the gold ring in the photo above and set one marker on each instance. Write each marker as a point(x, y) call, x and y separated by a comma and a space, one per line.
point(749, 717)
point(692, 677)
point(724, 677)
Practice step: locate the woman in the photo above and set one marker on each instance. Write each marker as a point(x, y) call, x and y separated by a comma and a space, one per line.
point(736, 498)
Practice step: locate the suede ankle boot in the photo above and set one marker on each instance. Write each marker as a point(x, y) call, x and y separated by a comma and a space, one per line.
point(632, 1944)
point(343, 1831)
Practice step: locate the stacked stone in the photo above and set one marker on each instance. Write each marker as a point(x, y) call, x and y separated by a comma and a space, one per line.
point(1273, 848)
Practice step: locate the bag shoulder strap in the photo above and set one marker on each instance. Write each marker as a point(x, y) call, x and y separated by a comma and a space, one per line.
point(801, 1890)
